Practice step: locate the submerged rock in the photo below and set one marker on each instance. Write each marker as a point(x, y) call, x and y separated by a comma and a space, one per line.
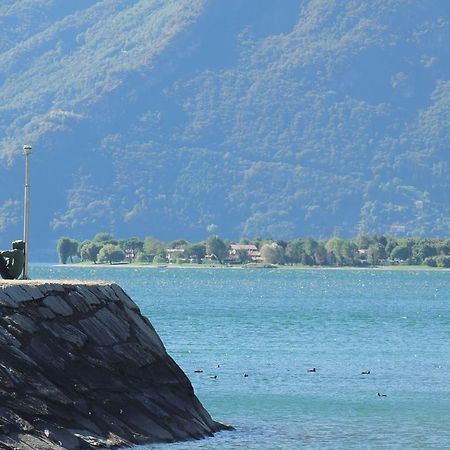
point(81, 368)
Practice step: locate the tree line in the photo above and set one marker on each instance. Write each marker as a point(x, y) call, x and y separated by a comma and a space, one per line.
point(363, 250)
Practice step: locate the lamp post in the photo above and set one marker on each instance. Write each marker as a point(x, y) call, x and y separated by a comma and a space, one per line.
point(26, 213)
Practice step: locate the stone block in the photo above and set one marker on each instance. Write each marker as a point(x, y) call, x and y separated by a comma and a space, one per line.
point(109, 293)
point(62, 436)
point(6, 338)
point(39, 386)
point(134, 353)
point(78, 302)
point(32, 442)
point(119, 327)
point(88, 296)
point(6, 300)
point(58, 306)
point(133, 417)
point(98, 332)
point(16, 293)
point(46, 354)
point(146, 334)
point(33, 291)
point(45, 313)
point(120, 293)
point(67, 333)
point(22, 322)
point(51, 288)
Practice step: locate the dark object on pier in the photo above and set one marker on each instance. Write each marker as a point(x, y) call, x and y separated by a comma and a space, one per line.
point(12, 261)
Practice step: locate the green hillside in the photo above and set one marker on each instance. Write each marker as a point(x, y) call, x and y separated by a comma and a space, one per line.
point(287, 119)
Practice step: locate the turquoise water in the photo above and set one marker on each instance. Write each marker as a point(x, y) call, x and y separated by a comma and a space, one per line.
point(274, 325)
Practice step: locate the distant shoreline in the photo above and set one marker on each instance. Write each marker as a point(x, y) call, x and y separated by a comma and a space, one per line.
point(234, 267)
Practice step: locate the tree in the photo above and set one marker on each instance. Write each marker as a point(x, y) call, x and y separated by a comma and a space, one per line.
point(401, 252)
point(295, 251)
point(243, 257)
point(105, 238)
point(215, 246)
point(310, 246)
point(131, 246)
point(374, 253)
point(196, 251)
point(152, 247)
point(178, 243)
point(443, 261)
point(272, 253)
point(335, 246)
point(110, 253)
point(363, 241)
point(390, 245)
point(307, 259)
point(66, 248)
point(320, 254)
point(89, 251)
point(159, 259)
point(349, 250)
point(424, 249)
point(444, 247)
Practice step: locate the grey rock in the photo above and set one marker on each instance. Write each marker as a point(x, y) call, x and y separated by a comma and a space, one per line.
point(19, 355)
point(120, 293)
point(45, 313)
point(119, 327)
point(9, 377)
point(67, 333)
point(33, 291)
point(88, 296)
point(97, 332)
point(108, 293)
point(58, 305)
point(6, 300)
point(6, 338)
point(36, 406)
point(17, 294)
point(22, 322)
point(62, 437)
point(146, 334)
point(78, 302)
point(144, 423)
point(37, 443)
point(51, 288)
point(44, 355)
point(41, 387)
point(134, 353)
point(95, 441)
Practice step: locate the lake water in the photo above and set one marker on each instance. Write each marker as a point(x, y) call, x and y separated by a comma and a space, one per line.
point(274, 325)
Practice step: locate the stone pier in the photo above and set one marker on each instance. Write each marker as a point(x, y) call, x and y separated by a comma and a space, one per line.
point(81, 368)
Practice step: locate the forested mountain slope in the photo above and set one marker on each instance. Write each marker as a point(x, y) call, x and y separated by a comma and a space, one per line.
point(164, 117)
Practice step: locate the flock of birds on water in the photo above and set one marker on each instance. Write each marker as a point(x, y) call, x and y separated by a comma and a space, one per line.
point(313, 370)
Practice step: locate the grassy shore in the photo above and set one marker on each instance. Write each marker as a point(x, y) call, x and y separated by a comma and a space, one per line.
point(243, 266)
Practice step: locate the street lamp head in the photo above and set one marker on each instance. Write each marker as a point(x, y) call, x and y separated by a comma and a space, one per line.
point(27, 149)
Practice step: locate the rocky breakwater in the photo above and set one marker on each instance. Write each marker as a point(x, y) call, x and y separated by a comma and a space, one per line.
point(81, 368)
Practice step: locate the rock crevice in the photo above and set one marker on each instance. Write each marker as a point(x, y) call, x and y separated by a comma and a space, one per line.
point(81, 368)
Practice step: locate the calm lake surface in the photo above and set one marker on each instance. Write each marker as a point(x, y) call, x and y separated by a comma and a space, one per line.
point(274, 325)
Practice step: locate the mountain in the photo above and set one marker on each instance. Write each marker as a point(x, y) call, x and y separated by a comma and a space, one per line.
point(256, 117)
